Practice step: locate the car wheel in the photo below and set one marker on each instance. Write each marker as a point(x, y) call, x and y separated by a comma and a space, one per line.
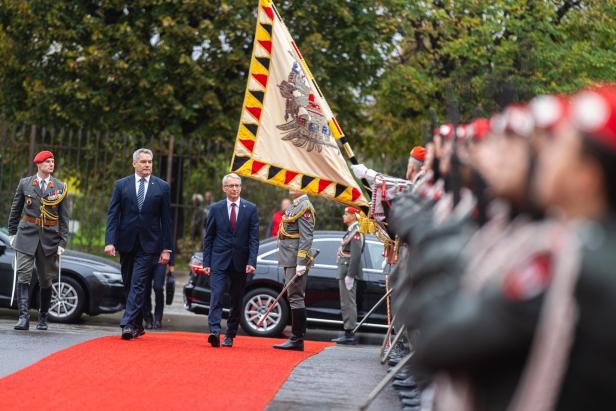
point(69, 307)
point(255, 306)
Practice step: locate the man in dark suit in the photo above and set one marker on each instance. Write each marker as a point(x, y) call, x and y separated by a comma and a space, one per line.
point(139, 228)
point(229, 252)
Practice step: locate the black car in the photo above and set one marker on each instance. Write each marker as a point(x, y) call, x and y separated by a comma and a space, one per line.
point(90, 284)
point(322, 293)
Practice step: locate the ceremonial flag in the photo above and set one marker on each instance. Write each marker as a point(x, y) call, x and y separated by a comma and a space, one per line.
point(287, 132)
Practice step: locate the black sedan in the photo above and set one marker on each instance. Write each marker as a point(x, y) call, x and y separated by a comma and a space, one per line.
point(322, 294)
point(90, 284)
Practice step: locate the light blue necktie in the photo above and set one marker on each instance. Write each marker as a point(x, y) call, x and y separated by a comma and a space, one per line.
point(141, 193)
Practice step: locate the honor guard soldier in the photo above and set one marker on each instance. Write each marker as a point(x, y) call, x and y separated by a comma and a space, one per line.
point(38, 231)
point(294, 241)
point(349, 272)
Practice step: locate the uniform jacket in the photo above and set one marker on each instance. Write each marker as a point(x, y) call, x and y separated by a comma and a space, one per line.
point(151, 226)
point(296, 233)
point(489, 335)
point(223, 247)
point(27, 201)
point(349, 254)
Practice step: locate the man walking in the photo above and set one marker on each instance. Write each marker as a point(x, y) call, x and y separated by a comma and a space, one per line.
point(229, 253)
point(38, 231)
point(139, 228)
point(349, 272)
point(294, 242)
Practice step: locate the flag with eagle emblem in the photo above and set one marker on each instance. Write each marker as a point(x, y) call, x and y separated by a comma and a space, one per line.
point(287, 134)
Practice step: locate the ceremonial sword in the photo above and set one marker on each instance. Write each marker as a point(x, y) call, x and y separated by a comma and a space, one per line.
point(284, 289)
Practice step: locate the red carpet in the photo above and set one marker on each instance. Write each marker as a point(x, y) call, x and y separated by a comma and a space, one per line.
point(168, 371)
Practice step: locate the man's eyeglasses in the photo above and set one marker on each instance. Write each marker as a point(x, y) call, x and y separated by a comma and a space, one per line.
point(233, 185)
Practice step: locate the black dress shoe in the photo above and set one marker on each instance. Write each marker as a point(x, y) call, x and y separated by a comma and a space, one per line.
point(148, 324)
point(348, 338)
point(227, 342)
point(214, 340)
point(409, 394)
point(140, 332)
point(157, 325)
point(402, 375)
point(407, 384)
point(411, 402)
point(128, 333)
point(293, 344)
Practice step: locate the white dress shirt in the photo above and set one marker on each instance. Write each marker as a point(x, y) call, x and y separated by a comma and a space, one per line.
point(40, 181)
point(237, 209)
point(145, 185)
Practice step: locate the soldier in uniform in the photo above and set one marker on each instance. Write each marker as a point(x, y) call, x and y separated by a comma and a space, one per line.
point(38, 231)
point(349, 272)
point(294, 241)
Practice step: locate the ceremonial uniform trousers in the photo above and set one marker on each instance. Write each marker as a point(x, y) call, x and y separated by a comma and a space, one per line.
point(294, 241)
point(349, 265)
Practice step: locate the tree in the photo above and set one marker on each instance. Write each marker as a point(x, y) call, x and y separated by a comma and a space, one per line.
point(487, 55)
point(146, 66)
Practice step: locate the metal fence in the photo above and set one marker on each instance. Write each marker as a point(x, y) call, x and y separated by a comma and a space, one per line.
point(90, 161)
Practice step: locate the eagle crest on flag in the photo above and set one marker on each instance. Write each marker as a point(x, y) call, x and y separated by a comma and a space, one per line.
point(307, 126)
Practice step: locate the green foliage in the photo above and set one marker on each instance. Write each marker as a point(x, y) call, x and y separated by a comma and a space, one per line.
point(487, 54)
point(172, 67)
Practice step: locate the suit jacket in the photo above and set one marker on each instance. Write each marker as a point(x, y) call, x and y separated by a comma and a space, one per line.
point(27, 201)
point(151, 226)
point(222, 247)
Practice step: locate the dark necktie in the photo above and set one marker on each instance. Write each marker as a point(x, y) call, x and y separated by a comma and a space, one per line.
point(233, 216)
point(43, 186)
point(141, 193)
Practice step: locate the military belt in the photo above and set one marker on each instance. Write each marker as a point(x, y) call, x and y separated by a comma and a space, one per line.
point(38, 221)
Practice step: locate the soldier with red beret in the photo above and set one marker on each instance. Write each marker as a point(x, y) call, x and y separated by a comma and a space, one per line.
point(38, 231)
point(349, 272)
point(417, 156)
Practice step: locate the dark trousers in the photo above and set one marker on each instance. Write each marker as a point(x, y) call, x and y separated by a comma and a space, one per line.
point(218, 284)
point(137, 269)
point(157, 282)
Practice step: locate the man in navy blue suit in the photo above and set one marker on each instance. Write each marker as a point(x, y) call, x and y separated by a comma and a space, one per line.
point(139, 228)
point(229, 253)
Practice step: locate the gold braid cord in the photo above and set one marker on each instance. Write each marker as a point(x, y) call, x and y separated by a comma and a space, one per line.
point(47, 214)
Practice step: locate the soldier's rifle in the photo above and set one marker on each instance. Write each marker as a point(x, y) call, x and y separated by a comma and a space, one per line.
point(284, 289)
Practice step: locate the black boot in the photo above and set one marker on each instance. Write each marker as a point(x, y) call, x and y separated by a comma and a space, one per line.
point(348, 338)
point(44, 308)
point(298, 327)
point(23, 303)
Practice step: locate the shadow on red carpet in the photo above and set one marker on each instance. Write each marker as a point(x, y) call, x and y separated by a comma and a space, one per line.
point(159, 371)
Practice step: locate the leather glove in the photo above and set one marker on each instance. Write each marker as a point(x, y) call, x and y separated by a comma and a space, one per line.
point(348, 282)
point(11, 240)
point(60, 250)
point(300, 270)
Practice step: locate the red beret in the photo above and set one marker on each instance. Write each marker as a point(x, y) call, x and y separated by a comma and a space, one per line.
point(351, 210)
point(478, 129)
point(418, 153)
point(548, 111)
point(516, 119)
point(593, 112)
point(42, 156)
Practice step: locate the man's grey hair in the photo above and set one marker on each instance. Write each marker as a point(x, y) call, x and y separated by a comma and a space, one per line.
point(416, 162)
point(231, 175)
point(140, 151)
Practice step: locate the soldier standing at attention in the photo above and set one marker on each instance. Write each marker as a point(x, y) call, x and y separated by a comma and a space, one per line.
point(38, 231)
point(294, 242)
point(349, 272)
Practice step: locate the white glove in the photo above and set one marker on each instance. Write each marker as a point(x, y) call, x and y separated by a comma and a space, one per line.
point(359, 170)
point(300, 270)
point(11, 240)
point(60, 250)
point(348, 282)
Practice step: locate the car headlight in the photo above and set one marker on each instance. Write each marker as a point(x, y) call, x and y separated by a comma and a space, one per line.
point(109, 278)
